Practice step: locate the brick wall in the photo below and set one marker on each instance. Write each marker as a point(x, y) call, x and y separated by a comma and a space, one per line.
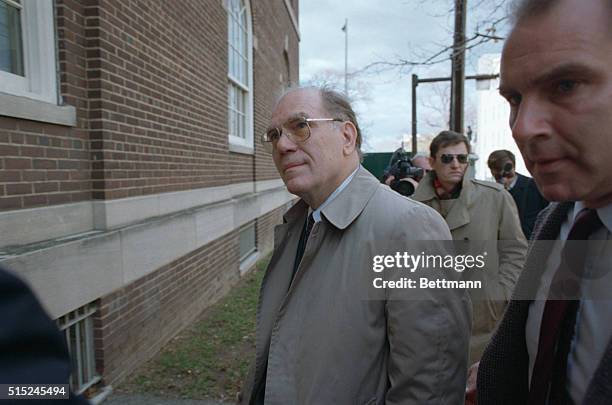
point(272, 23)
point(46, 164)
point(136, 321)
point(149, 81)
point(160, 122)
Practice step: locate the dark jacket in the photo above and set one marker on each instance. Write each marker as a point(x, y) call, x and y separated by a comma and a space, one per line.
point(32, 349)
point(529, 202)
point(503, 374)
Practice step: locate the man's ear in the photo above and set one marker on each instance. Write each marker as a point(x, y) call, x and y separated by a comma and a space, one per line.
point(349, 137)
point(431, 161)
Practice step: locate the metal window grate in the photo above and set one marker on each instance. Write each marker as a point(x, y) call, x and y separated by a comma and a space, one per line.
point(77, 327)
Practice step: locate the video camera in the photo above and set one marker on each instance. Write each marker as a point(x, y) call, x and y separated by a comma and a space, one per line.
point(407, 176)
point(506, 173)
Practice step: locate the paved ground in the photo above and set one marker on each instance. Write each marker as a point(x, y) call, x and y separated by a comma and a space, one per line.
point(137, 399)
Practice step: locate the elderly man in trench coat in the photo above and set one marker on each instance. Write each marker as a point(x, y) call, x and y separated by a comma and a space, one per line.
point(320, 340)
point(479, 212)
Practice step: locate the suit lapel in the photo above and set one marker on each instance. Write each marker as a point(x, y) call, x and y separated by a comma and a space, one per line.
point(546, 229)
point(599, 390)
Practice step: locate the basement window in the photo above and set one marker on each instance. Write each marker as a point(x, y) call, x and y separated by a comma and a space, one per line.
point(77, 327)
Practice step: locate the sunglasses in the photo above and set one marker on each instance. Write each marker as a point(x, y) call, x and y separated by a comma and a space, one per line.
point(448, 158)
point(297, 129)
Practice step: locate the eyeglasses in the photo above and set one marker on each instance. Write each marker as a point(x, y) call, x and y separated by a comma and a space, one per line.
point(297, 130)
point(448, 158)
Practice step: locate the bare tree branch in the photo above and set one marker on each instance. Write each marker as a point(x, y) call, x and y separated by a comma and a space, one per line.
point(486, 31)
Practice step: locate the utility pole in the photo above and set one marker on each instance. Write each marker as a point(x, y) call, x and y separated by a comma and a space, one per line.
point(345, 29)
point(415, 84)
point(458, 68)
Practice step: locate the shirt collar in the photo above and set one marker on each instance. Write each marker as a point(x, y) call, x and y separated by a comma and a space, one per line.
point(513, 182)
point(316, 214)
point(604, 213)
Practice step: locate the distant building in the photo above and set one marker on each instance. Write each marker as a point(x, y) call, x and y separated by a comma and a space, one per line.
point(493, 115)
point(133, 189)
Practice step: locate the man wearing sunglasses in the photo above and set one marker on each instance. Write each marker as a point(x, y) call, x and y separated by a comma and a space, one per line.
point(321, 339)
point(475, 211)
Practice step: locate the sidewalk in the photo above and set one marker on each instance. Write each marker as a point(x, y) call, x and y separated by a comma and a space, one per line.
point(139, 399)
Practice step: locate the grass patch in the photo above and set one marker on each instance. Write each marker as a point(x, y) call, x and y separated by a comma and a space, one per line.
point(209, 359)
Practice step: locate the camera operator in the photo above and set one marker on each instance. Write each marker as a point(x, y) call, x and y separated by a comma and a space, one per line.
point(475, 211)
point(403, 174)
point(523, 189)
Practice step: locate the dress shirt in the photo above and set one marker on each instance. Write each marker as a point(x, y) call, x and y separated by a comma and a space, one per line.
point(593, 326)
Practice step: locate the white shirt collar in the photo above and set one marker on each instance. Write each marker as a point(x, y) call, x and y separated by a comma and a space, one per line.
point(316, 214)
point(511, 186)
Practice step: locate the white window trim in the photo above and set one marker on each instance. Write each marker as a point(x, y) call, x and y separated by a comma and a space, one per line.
point(38, 35)
point(35, 110)
point(35, 97)
point(236, 143)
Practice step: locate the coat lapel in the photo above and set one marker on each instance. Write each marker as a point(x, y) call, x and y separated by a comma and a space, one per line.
point(504, 372)
point(547, 229)
point(599, 391)
point(275, 284)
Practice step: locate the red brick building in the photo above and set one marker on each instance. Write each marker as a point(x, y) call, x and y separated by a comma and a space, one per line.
point(133, 188)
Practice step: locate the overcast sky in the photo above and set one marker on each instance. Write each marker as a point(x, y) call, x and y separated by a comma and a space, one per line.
point(384, 30)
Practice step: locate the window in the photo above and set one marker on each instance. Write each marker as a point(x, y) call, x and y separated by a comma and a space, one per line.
point(247, 242)
point(77, 327)
point(240, 77)
point(11, 45)
point(27, 49)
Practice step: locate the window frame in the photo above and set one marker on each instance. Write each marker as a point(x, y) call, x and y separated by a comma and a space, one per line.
point(237, 143)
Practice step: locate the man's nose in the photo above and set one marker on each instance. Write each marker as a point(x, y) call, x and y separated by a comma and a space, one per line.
point(455, 162)
point(532, 119)
point(284, 144)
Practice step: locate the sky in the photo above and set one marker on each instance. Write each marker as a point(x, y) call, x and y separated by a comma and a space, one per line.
point(386, 30)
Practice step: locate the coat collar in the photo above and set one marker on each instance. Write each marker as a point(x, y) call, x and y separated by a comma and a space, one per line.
point(459, 214)
point(347, 205)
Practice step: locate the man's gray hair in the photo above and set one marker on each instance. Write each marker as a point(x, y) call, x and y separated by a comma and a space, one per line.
point(336, 104)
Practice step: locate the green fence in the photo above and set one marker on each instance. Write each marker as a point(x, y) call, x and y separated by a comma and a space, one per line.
point(376, 162)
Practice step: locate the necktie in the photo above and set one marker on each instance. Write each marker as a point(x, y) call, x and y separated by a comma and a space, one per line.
point(302, 243)
point(559, 318)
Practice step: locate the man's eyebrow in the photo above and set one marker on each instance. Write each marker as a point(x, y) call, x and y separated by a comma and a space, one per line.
point(567, 69)
point(291, 117)
point(297, 115)
point(570, 69)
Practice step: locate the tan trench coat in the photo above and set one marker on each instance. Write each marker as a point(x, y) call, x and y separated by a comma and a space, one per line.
point(325, 343)
point(484, 211)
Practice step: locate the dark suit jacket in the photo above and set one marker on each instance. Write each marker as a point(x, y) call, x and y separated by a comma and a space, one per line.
point(32, 349)
point(503, 374)
point(529, 202)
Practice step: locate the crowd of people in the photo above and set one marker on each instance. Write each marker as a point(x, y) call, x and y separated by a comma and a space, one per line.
point(321, 340)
